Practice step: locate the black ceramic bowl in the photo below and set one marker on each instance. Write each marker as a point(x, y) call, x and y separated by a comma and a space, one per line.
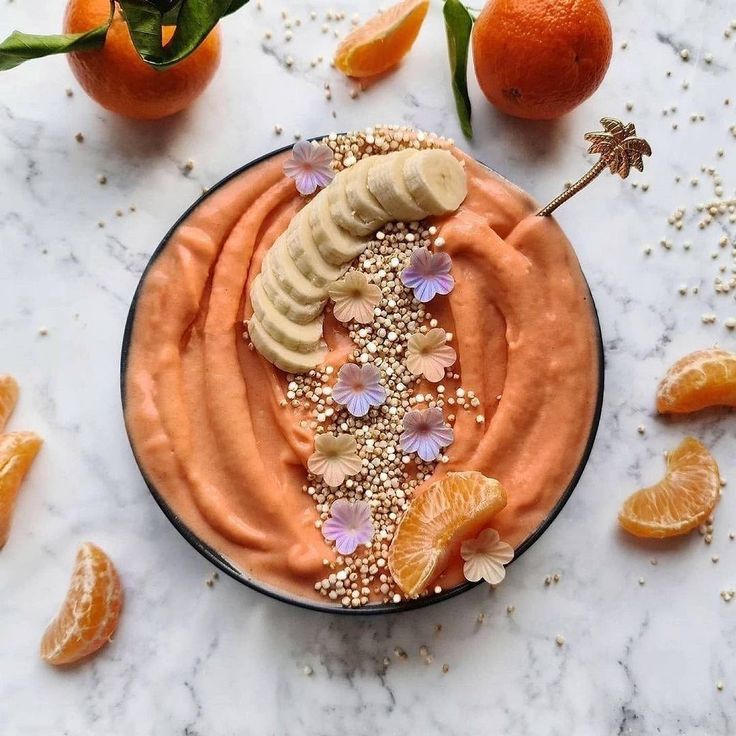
point(223, 564)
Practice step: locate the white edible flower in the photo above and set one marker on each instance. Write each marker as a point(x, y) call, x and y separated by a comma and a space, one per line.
point(355, 298)
point(334, 458)
point(429, 354)
point(485, 557)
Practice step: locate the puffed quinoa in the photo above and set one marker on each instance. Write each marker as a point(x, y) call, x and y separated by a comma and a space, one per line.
point(388, 477)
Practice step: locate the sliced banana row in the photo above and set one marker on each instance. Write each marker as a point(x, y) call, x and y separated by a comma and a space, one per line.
point(289, 294)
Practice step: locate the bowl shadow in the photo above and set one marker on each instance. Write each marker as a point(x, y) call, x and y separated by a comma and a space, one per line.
point(536, 141)
point(141, 140)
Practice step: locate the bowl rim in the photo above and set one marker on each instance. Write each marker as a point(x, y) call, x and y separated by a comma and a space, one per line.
point(221, 562)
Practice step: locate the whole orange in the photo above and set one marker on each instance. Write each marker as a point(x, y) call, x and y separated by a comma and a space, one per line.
point(539, 59)
point(117, 78)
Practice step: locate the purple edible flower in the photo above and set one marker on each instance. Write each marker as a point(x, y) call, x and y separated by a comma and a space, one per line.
point(425, 433)
point(428, 274)
point(309, 166)
point(350, 525)
point(358, 388)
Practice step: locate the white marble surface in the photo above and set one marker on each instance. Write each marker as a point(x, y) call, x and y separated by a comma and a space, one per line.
point(200, 661)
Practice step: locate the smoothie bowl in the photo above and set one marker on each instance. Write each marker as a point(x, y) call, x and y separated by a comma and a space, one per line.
point(330, 393)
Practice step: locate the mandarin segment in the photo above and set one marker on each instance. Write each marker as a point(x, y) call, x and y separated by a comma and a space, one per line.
point(383, 41)
point(9, 391)
point(17, 452)
point(453, 509)
point(91, 610)
point(681, 501)
point(699, 380)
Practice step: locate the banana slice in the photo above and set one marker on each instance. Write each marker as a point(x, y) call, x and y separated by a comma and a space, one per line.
point(302, 338)
point(291, 280)
point(308, 260)
point(386, 183)
point(296, 312)
point(342, 213)
point(359, 197)
point(290, 361)
point(335, 244)
point(289, 294)
point(436, 181)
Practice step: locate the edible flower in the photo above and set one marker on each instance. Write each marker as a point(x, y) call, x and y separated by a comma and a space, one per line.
point(350, 525)
point(359, 388)
point(428, 274)
point(355, 299)
point(485, 557)
point(334, 458)
point(309, 166)
point(428, 354)
point(425, 433)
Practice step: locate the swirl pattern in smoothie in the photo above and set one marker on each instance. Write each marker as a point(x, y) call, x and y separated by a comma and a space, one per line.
point(208, 416)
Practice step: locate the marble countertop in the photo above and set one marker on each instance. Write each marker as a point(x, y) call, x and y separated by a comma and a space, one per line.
point(647, 637)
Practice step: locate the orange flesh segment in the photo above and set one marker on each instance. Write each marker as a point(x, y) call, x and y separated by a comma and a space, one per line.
point(90, 612)
point(699, 380)
point(383, 41)
point(453, 509)
point(8, 398)
point(681, 501)
point(17, 452)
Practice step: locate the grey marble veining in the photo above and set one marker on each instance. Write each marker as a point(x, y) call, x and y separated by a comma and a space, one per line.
point(194, 660)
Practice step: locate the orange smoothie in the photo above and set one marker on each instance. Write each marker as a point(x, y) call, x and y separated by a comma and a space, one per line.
point(207, 418)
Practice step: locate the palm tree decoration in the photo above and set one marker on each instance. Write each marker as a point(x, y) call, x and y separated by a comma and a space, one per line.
point(619, 150)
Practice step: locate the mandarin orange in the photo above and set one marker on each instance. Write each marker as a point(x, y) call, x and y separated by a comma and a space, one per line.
point(383, 41)
point(539, 59)
point(119, 80)
point(17, 452)
point(698, 380)
point(681, 501)
point(9, 392)
point(448, 512)
point(91, 610)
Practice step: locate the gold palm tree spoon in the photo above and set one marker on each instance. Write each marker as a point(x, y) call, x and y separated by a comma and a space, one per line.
point(620, 151)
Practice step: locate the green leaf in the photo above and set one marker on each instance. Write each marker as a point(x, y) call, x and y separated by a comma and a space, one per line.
point(194, 21)
point(144, 21)
point(172, 7)
point(171, 16)
point(459, 24)
point(166, 5)
point(19, 47)
point(235, 5)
